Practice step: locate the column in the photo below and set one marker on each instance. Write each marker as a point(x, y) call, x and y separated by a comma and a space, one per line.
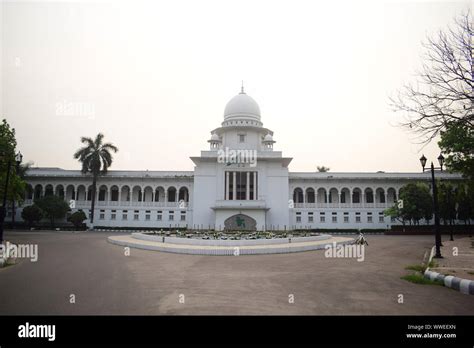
point(255, 192)
point(227, 186)
point(247, 187)
point(234, 195)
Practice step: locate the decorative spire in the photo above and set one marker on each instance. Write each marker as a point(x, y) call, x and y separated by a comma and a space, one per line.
point(242, 88)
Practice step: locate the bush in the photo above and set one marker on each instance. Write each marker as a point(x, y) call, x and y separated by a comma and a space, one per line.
point(32, 214)
point(77, 218)
point(53, 207)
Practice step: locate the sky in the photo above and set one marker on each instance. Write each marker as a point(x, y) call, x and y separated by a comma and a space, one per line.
point(155, 76)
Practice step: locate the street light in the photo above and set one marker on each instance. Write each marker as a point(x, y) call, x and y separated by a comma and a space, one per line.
point(3, 209)
point(435, 200)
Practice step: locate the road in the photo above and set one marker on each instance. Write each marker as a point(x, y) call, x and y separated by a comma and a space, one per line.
point(106, 281)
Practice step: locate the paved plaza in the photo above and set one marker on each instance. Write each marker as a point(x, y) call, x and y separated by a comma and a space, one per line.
point(106, 281)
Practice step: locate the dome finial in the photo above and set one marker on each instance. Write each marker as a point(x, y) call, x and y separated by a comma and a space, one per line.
point(242, 88)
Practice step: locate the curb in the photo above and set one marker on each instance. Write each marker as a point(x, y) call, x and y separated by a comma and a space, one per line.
point(465, 286)
point(217, 250)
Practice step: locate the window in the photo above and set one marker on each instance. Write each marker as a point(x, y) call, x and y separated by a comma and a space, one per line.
point(369, 217)
point(392, 219)
point(159, 215)
point(298, 216)
point(334, 217)
point(346, 217)
point(147, 215)
point(322, 217)
point(241, 138)
point(171, 215)
point(136, 215)
point(381, 217)
point(113, 215)
point(369, 197)
point(357, 217)
point(124, 214)
point(183, 216)
point(102, 215)
point(310, 217)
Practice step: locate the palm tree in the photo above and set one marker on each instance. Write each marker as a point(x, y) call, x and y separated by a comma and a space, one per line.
point(96, 158)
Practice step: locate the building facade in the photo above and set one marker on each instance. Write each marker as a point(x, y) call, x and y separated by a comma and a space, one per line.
point(240, 182)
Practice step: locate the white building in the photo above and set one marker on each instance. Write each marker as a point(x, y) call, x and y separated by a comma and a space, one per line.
point(239, 182)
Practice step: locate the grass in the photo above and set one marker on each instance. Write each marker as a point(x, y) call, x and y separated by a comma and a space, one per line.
point(418, 278)
point(417, 268)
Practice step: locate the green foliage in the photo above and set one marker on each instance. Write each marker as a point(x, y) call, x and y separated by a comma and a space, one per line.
point(465, 201)
point(417, 203)
point(418, 278)
point(16, 187)
point(53, 207)
point(96, 158)
point(323, 169)
point(418, 268)
point(447, 201)
point(77, 218)
point(32, 214)
point(457, 141)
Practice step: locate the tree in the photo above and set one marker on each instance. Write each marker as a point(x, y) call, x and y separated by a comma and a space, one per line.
point(323, 169)
point(77, 218)
point(417, 204)
point(17, 188)
point(457, 142)
point(96, 158)
point(16, 184)
point(446, 201)
point(32, 214)
point(53, 207)
point(465, 204)
point(443, 94)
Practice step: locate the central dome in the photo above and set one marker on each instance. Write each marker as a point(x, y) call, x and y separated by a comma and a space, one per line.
point(242, 106)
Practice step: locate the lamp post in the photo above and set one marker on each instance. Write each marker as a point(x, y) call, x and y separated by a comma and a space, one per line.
point(3, 209)
point(435, 200)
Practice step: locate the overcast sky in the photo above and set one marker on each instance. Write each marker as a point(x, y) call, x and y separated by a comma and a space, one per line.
point(155, 76)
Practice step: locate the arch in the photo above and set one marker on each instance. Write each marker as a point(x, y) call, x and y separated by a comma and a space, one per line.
point(29, 194)
point(137, 194)
point(89, 193)
point(81, 193)
point(183, 194)
point(125, 194)
point(240, 222)
point(298, 195)
point(59, 190)
point(48, 190)
point(310, 195)
point(345, 195)
point(38, 191)
point(114, 193)
point(70, 192)
point(159, 194)
point(148, 194)
point(322, 195)
point(391, 195)
point(356, 195)
point(103, 193)
point(369, 195)
point(379, 195)
point(333, 195)
point(171, 194)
